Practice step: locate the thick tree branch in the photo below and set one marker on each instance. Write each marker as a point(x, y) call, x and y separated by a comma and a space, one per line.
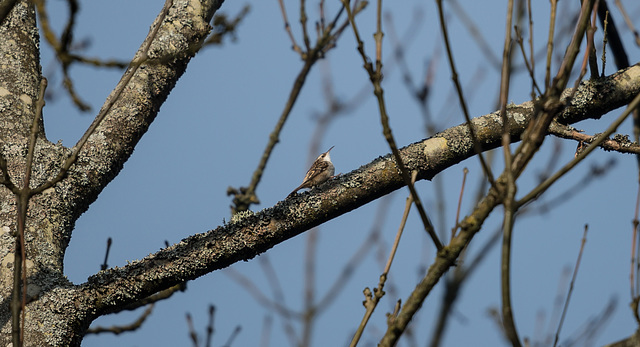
point(251, 234)
point(174, 38)
point(64, 195)
point(19, 71)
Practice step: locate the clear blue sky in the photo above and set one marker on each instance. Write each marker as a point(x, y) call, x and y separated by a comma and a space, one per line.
point(212, 130)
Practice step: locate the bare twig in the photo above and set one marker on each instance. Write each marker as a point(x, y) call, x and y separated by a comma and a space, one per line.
point(159, 296)
point(605, 40)
point(533, 62)
point(532, 139)
point(591, 47)
point(63, 47)
point(601, 138)
point(628, 21)
point(509, 195)
point(372, 300)
point(375, 75)
point(119, 329)
point(309, 286)
point(619, 143)
point(635, 297)
point(124, 82)
point(105, 265)
point(613, 37)
point(244, 197)
point(571, 284)
point(549, 105)
point(287, 28)
point(356, 259)
point(193, 335)
point(463, 104)
point(465, 171)
point(552, 26)
point(222, 26)
point(232, 336)
point(18, 300)
point(454, 283)
point(210, 326)
point(529, 65)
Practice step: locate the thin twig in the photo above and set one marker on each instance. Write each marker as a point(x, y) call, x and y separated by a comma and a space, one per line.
point(619, 143)
point(372, 300)
point(571, 284)
point(635, 297)
point(287, 28)
point(628, 21)
point(192, 331)
point(604, 42)
point(210, 326)
point(532, 59)
point(119, 329)
point(591, 49)
point(303, 24)
point(550, 105)
point(552, 26)
point(465, 171)
point(19, 300)
point(529, 66)
point(509, 206)
point(309, 286)
point(454, 283)
point(124, 82)
point(375, 75)
point(470, 225)
point(463, 104)
point(244, 197)
point(232, 336)
point(356, 259)
point(105, 265)
point(601, 138)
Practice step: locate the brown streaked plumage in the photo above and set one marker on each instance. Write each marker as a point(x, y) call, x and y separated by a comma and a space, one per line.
point(321, 170)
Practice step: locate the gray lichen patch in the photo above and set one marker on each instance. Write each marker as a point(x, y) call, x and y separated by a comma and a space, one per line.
point(435, 147)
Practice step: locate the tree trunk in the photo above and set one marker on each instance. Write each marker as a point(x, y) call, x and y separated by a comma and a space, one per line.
point(58, 312)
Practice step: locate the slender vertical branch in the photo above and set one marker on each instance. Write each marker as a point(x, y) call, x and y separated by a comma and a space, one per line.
point(505, 278)
point(303, 24)
point(552, 26)
point(244, 197)
point(542, 187)
point(16, 303)
point(115, 96)
point(635, 297)
point(571, 284)
point(509, 207)
point(375, 75)
point(287, 28)
point(372, 300)
point(465, 172)
point(531, 58)
point(550, 105)
point(19, 299)
point(463, 104)
point(309, 287)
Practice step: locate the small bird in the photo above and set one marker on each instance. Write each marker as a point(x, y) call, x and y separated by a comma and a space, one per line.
point(321, 170)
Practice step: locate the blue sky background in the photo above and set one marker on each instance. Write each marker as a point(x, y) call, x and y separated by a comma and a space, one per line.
point(213, 128)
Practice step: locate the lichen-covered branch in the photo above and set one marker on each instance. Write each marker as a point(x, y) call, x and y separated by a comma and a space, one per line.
point(251, 234)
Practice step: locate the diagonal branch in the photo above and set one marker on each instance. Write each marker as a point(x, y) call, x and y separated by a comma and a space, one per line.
point(253, 234)
point(176, 35)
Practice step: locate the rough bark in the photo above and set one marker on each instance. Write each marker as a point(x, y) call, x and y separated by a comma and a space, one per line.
point(59, 312)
